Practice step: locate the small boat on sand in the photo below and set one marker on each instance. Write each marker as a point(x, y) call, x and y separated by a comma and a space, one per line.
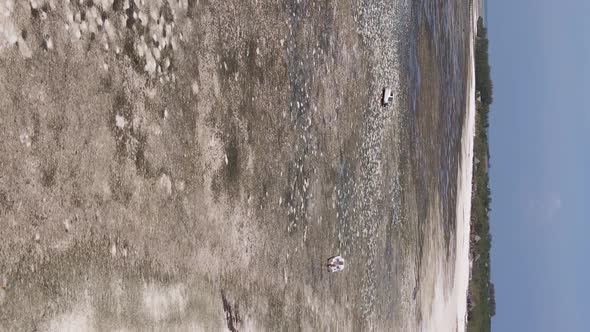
point(387, 97)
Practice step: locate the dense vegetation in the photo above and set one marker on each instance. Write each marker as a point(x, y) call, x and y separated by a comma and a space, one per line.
point(483, 80)
point(481, 297)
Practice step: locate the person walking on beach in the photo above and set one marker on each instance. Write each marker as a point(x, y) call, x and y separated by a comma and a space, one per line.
point(336, 264)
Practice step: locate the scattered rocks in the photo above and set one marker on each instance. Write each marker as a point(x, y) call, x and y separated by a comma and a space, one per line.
point(25, 139)
point(120, 121)
point(48, 43)
point(180, 185)
point(165, 185)
point(67, 225)
point(3, 287)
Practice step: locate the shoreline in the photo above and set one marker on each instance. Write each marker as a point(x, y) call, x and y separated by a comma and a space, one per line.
point(465, 178)
point(444, 279)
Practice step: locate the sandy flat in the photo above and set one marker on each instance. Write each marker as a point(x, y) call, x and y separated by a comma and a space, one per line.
point(190, 165)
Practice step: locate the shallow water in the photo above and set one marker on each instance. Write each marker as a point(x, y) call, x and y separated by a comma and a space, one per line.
point(437, 88)
point(446, 23)
point(441, 138)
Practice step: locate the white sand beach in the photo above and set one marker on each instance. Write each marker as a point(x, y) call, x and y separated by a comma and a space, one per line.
point(448, 309)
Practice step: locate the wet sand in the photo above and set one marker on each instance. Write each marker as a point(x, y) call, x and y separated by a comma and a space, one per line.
point(190, 165)
point(444, 131)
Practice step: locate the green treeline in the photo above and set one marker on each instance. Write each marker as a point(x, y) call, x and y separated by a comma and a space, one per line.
point(481, 297)
point(483, 80)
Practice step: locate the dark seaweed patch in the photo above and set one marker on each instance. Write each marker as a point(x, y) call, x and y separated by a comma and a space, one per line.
point(232, 315)
point(48, 176)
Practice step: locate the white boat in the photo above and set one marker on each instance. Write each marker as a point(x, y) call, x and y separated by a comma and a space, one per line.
point(387, 96)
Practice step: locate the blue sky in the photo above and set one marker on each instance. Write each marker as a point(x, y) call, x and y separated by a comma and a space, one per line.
point(539, 137)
